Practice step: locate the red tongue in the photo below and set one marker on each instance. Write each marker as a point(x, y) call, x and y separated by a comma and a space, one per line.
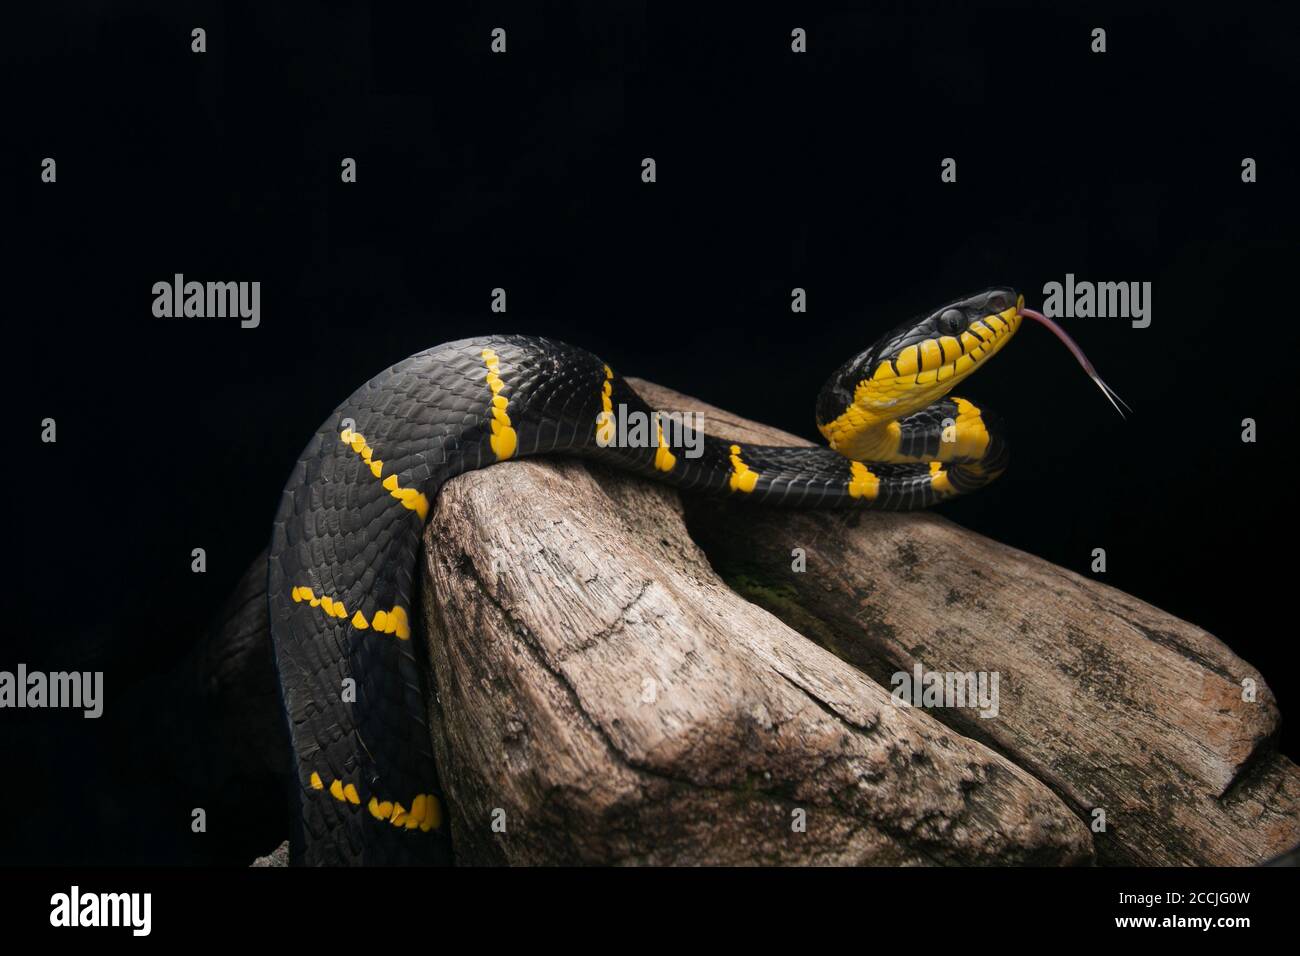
point(1077, 352)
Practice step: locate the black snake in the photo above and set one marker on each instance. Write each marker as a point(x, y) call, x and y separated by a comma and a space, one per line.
point(347, 533)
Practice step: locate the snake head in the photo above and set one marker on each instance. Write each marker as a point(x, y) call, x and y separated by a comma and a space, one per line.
point(920, 361)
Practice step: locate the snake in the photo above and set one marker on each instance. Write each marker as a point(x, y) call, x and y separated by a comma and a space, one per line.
point(349, 525)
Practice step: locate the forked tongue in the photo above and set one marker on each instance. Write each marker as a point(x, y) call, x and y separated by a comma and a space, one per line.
point(1077, 352)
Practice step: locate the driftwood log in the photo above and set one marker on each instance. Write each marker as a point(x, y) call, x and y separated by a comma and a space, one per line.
point(605, 697)
point(625, 675)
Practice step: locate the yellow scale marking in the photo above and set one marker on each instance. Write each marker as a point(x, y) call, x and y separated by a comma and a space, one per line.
point(605, 420)
point(939, 479)
point(665, 460)
point(743, 478)
point(931, 355)
point(409, 497)
point(863, 484)
point(504, 440)
point(971, 438)
point(385, 622)
point(425, 812)
point(907, 363)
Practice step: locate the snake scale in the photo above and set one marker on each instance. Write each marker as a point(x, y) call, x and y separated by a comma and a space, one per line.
point(347, 533)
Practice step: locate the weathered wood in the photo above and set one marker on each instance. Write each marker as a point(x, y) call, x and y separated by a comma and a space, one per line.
point(609, 700)
point(552, 598)
point(276, 858)
point(1113, 703)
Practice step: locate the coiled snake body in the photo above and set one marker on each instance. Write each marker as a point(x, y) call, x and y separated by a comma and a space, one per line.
point(346, 536)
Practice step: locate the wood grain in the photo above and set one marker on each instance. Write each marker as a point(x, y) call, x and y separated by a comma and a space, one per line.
point(1114, 704)
point(606, 696)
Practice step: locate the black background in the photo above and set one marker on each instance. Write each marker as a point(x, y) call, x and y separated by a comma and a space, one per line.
point(523, 171)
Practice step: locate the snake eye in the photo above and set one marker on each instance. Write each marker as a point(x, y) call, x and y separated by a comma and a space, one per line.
point(952, 321)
